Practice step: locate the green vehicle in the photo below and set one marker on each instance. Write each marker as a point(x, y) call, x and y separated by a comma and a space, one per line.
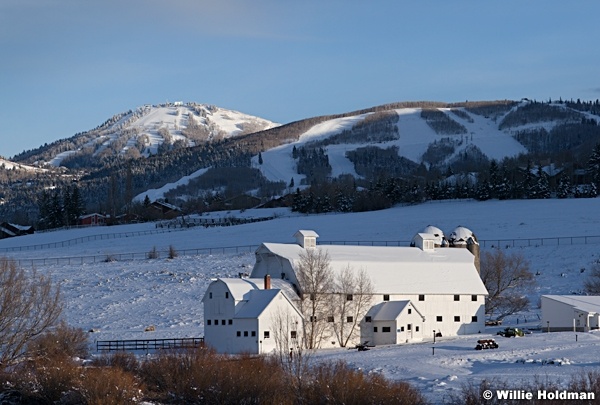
point(511, 332)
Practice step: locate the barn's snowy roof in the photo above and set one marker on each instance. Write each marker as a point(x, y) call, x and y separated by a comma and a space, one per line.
point(399, 270)
point(386, 311)
point(239, 287)
point(308, 233)
point(584, 303)
point(255, 302)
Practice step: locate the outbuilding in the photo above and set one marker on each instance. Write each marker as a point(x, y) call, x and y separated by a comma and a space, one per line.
point(570, 312)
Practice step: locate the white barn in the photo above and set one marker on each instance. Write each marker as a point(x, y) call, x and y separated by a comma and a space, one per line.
point(568, 312)
point(418, 291)
point(241, 315)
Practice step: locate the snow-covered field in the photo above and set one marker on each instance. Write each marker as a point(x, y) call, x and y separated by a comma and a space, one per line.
point(120, 299)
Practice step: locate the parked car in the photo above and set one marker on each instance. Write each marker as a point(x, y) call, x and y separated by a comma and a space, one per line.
point(511, 332)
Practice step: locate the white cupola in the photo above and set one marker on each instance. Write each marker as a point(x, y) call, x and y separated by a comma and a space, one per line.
point(306, 238)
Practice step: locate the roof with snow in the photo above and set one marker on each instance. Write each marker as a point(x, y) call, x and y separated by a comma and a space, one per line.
point(255, 302)
point(584, 303)
point(402, 270)
point(389, 310)
point(239, 287)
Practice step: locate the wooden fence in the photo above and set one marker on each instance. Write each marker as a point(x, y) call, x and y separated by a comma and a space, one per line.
point(148, 344)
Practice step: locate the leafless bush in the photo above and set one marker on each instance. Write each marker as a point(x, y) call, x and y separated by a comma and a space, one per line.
point(153, 253)
point(172, 252)
point(29, 305)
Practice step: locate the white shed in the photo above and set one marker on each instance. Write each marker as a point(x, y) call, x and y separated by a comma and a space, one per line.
point(393, 322)
point(570, 312)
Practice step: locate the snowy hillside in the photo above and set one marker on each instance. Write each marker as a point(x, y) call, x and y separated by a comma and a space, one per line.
point(150, 126)
point(415, 136)
point(119, 299)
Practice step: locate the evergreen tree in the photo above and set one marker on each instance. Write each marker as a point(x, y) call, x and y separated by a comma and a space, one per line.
point(564, 187)
point(593, 166)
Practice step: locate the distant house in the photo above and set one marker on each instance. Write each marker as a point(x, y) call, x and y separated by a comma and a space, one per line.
point(165, 208)
point(92, 219)
point(8, 230)
point(242, 201)
point(417, 292)
point(570, 312)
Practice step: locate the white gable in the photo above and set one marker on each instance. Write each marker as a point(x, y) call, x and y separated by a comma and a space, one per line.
point(306, 238)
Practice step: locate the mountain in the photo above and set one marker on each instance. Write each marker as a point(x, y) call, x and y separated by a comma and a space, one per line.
point(146, 131)
point(202, 157)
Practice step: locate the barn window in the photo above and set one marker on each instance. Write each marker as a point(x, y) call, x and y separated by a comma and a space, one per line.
point(230, 322)
point(330, 319)
point(349, 319)
point(409, 311)
point(401, 328)
point(456, 297)
point(216, 322)
point(386, 297)
point(409, 327)
point(474, 318)
point(208, 322)
point(349, 297)
point(253, 333)
point(456, 318)
point(438, 318)
point(421, 297)
point(367, 319)
point(385, 329)
point(375, 329)
point(222, 321)
point(416, 328)
point(473, 298)
point(238, 333)
point(266, 334)
point(210, 295)
point(226, 294)
point(293, 334)
point(313, 318)
point(245, 333)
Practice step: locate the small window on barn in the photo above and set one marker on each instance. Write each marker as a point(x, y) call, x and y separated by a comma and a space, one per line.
point(367, 319)
point(210, 295)
point(208, 322)
point(349, 319)
point(313, 318)
point(216, 322)
point(293, 334)
point(253, 333)
point(226, 294)
point(238, 333)
point(266, 334)
point(349, 297)
point(401, 328)
point(312, 297)
point(245, 333)
point(330, 319)
point(416, 328)
point(230, 322)
point(409, 311)
point(385, 329)
point(474, 318)
point(456, 318)
point(456, 297)
point(421, 297)
point(438, 318)
point(473, 297)
point(386, 297)
point(375, 329)
point(409, 327)
point(222, 321)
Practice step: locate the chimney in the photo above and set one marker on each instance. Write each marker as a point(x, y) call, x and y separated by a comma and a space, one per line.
point(267, 282)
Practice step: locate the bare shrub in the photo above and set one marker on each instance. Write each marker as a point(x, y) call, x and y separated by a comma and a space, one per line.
point(153, 254)
point(109, 386)
point(592, 282)
point(172, 252)
point(63, 341)
point(29, 305)
point(125, 361)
